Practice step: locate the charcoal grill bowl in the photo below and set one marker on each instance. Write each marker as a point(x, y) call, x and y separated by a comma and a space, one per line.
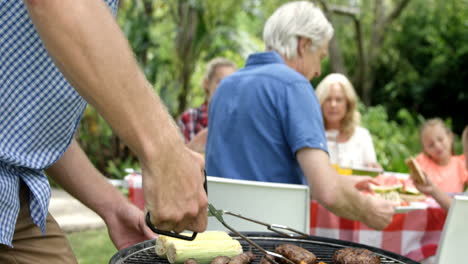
point(322, 247)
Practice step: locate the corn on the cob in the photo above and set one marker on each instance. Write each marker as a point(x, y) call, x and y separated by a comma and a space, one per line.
point(202, 251)
point(162, 241)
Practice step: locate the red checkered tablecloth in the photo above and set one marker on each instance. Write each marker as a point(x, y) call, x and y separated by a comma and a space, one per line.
point(414, 234)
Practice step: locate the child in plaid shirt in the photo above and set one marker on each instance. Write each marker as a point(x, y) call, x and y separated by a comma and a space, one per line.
point(194, 121)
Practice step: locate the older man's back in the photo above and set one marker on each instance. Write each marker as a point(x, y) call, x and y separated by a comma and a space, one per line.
point(259, 117)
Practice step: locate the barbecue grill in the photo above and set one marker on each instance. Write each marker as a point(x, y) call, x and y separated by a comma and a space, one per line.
point(322, 247)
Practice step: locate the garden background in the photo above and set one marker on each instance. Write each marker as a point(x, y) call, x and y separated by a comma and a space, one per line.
point(407, 59)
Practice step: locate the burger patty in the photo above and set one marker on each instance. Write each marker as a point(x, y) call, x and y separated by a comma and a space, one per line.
point(296, 254)
point(355, 256)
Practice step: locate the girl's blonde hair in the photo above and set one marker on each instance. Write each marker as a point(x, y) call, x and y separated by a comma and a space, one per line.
point(436, 122)
point(352, 117)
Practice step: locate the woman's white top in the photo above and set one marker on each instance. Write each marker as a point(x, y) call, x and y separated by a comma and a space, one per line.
point(357, 152)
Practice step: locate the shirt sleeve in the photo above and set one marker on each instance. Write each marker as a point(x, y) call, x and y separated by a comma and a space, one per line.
point(301, 117)
point(184, 124)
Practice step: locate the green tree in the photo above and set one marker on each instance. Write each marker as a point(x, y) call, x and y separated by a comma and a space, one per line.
point(364, 25)
point(424, 68)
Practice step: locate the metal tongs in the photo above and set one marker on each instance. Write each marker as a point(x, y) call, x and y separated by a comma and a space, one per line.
point(218, 214)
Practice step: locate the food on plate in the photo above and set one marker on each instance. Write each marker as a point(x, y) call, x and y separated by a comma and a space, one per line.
point(388, 193)
point(163, 241)
point(243, 258)
point(355, 256)
point(296, 254)
point(411, 198)
point(409, 193)
point(387, 188)
point(415, 171)
point(398, 190)
point(221, 260)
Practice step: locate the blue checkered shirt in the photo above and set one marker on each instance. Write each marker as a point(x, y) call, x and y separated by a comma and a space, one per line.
point(39, 114)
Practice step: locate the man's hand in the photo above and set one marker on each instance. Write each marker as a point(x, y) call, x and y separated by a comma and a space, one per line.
point(127, 227)
point(75, 173)
point(174, 192)
point(379, 212)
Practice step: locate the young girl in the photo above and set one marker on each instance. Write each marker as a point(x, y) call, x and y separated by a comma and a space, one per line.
point(445, 172)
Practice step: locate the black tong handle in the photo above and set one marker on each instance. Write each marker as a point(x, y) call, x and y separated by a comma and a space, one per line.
point(172, 233)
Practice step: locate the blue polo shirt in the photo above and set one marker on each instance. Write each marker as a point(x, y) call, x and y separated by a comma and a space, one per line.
point(259, 117)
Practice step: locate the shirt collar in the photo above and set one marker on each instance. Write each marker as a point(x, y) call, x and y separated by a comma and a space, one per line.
point(267, 57)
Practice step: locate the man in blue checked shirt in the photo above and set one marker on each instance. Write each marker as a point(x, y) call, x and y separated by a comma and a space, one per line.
point(55, 56)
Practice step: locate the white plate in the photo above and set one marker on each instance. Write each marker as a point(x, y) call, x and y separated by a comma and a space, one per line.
point(411, 207)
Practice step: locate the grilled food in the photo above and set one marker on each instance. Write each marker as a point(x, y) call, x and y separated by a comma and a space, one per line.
point(190, 261)
point(163, 241)
point(355, 256)
point(202, 251)
point(296, 254)
point(243, 258)
point(206, 246)
point(267, 259)
point(221, 260)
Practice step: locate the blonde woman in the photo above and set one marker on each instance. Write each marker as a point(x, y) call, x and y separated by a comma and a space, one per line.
point(349, 144)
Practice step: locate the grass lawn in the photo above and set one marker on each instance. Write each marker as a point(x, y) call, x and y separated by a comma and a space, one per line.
point(92, 247)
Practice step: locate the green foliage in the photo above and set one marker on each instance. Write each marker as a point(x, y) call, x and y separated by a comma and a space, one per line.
point(103, 147)
point(95, 137)
point(116, 167)
point(424, 64)
point(393, 141)
point(421, 68)
point(93, 246)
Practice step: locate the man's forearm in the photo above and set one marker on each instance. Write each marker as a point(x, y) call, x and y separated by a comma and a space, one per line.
point(328, 187)
point(75, 173)
point(92, 53)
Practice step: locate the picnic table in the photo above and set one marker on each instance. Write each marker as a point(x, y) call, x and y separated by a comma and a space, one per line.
point(414, 234)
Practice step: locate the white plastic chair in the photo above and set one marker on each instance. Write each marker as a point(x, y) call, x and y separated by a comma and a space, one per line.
point(452, 247)
point(272, 203)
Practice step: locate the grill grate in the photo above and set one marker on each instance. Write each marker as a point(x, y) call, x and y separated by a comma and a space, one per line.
point(323, 248)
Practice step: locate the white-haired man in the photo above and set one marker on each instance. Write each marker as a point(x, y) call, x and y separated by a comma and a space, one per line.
point(265, 121)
